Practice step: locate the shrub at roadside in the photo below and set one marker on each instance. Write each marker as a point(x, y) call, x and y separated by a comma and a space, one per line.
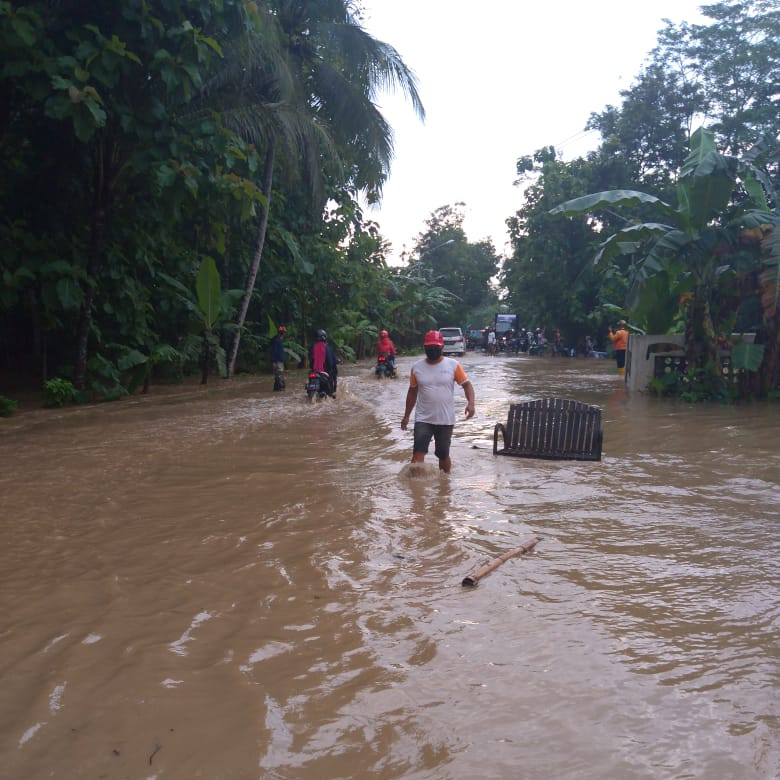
point(7, 406)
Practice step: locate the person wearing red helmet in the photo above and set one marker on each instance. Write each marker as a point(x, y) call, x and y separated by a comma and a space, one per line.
point(386, 347)
point(431, 385)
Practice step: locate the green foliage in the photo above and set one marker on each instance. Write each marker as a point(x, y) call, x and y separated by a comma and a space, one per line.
point(695, 385)
point(747, 357)
point(149, 130)
point(550, 278)
point(209, 291)
point(445, 258)
point(58, 392)
point(700, 248)
point(7, 406)
point(105, 379)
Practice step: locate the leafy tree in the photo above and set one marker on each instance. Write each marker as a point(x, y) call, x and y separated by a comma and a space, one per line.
point(549, 278)
point(735, 63)
point(444, 256)
point(334, 70)
point(724, 74)
point(94, 113)
point(645, 138)
point(700, 242)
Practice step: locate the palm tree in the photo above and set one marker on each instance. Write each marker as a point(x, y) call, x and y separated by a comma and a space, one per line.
point(319, 99)
point(701, 238)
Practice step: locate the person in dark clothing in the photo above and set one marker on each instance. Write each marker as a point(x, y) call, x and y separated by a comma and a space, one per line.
point(277, 357)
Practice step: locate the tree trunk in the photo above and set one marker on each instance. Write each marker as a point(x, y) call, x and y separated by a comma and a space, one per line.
point(769, 368)
point(204, 361)
point(304, 332)
point(85, 316)
point(701, 340)
point(97, 231)
point(256, 257)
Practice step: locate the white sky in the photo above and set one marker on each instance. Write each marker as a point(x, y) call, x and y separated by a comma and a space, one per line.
point(499, 79)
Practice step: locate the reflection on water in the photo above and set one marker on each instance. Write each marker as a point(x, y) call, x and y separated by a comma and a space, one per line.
point(239, 584)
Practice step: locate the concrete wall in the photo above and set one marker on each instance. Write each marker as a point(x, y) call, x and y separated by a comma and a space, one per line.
point(640, 357)
point(642, 351)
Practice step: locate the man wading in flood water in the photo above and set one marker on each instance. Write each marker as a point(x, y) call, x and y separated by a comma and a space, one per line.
point(431, 386)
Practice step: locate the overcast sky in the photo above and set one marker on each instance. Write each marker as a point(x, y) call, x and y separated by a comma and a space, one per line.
point(500, 79)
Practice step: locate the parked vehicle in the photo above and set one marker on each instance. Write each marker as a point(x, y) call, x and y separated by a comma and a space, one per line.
point(454, 343)
point(384, 366)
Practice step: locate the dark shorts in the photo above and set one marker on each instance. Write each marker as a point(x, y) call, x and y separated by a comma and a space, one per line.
point(441, 434)
point(620, 358)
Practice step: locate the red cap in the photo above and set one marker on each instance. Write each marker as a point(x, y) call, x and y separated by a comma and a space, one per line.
point(433, 338)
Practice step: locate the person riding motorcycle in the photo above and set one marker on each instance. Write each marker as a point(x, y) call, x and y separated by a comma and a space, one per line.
point(385, 346)
point(323, 360)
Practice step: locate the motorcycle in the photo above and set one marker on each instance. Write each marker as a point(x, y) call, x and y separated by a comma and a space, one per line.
point(384, 367)
point(317, 386)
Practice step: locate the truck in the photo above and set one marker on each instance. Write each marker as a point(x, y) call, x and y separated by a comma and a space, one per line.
point(504, 323)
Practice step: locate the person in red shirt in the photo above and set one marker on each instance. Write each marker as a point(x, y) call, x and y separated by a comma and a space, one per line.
point(386, 347)
point(323, 360)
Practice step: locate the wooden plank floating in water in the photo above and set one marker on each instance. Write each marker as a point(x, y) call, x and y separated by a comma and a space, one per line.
point(475, 577)
point(553, 428)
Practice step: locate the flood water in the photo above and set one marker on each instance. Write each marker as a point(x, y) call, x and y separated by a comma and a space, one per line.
point(232, 583)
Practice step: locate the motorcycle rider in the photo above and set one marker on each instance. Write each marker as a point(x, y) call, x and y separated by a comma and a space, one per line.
point(523, 342)
point(323, 360)
point(385, 346)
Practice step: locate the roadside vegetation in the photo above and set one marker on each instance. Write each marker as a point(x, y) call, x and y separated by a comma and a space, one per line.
point(179, 176)
point(672, 223)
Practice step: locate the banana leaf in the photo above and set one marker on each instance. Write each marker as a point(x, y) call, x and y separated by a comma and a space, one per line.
point(209, 291)
point(747, 356)
point(609, 198)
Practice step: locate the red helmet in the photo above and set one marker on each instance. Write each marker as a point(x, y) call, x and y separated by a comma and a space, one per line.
point(433, 338)
point(281, 329)
point(383, 334)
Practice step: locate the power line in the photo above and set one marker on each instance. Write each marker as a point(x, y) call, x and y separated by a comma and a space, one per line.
point(575, 138)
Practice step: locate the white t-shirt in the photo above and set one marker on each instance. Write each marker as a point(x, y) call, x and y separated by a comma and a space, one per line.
point(435, 390)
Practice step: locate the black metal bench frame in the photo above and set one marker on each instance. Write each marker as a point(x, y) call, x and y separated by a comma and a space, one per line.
point(552, 428)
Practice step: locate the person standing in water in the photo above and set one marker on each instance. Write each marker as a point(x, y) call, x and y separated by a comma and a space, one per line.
point(277, 357)
point(431, 385)
point(619, 341)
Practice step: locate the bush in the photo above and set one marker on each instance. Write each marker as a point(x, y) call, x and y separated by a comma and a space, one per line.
point(58, 392)
point(7, 406)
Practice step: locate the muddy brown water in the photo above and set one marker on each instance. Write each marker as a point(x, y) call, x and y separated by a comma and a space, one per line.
point(236, 584)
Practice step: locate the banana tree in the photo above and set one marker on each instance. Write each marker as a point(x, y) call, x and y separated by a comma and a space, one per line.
point(209, 307)
point(697, 242)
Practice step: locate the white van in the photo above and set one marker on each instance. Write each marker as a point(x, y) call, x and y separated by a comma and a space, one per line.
point(454, 343)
